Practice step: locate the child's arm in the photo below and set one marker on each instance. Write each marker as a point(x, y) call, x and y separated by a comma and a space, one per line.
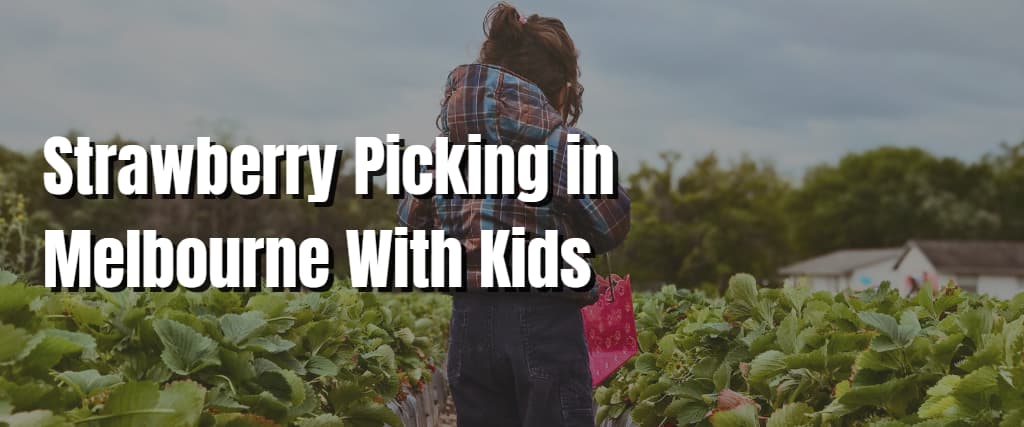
point(602, 220)
point(416, 213)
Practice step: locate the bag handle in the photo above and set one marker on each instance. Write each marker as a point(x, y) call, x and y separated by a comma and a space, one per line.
point(611, 282)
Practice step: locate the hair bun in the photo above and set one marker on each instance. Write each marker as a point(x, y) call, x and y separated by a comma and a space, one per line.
point(504, 25)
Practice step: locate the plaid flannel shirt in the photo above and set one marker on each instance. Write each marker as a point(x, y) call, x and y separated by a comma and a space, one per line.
point(506, 109)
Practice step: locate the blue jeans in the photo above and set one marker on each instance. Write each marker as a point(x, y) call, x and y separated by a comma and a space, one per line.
point(518, 360)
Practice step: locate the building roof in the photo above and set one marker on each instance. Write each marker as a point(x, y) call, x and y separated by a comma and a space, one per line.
point(841, 262)
point(981, 257)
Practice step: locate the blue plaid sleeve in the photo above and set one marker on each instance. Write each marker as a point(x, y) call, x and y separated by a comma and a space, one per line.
point(602, 220)
point(416, 213)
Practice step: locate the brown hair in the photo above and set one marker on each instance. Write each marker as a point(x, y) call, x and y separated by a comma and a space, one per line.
point(539, 49)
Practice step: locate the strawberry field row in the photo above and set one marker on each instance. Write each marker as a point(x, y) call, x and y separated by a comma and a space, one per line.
point(790, 357)
point(335, 358)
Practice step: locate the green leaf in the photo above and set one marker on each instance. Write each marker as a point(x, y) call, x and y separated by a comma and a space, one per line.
point(885, 323)
point(89, 381)
point(7, 278)
point(875, 361)
point(909, 328)
point(84, 341)
point(38, 418)
point(686, 411)
point(185, 350)
point(667, 345)
point(647, 339)
point(939, 407)
point(1014, 418)
point(722, 376)
point(974, 389)
point(265, 404)
point(797, 293)
point(788, 334)
point(981, 381)
point(385, 354)
point(741, 296)
point(602, 414)
point(644, 413)
point(221, 398)
point(877, 395)
point(84, 313)
point(242, 420)
point(50, 346)
point(945, 386)
point(817, 360)
point(765, 366)
point(616, 410)
point(237, 328)
point(321, 366)
point(308, 406)
point(272, 305)
point(925, 300)
point(374, 414)
point(15, 299)
point(989, 353)
point(976, 323)
point(894, 334)
point(657, 389)
point(602, 394)
point(646, 362)
point(269, 344)
point(14, 340)
point(133, 404)
point(322, 420)
point(883, 343)
point(791, 415)
point(185, 398)
point(942, 351)
point(940, 404)
point(741, 416)
point(284, 385)
point(1013, 334)
point(405, 335)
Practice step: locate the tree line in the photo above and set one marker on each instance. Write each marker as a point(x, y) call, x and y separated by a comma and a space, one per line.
point(694, 223)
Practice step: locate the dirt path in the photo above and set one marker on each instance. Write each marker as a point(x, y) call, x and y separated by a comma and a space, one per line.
point(447, 418)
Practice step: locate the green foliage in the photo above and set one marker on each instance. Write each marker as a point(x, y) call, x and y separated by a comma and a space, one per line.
point(20, 246)
point(185, 350)
point(176, 359)
point(796, 358)
point(885, 196)
point(700, 226)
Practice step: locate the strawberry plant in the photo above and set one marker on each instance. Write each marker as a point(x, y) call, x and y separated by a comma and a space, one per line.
point(790, 357)
point(215, 358)
point(756, 357)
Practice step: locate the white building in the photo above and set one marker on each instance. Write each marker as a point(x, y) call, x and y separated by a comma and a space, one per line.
point(995, 268)
point(848, 269)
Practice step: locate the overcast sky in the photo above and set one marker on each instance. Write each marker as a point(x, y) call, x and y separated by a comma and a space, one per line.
point(800, 82)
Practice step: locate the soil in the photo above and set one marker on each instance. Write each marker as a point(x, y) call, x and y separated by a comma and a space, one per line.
point(447, 418)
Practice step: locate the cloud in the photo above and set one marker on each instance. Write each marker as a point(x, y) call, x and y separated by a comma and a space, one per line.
point(800, 82)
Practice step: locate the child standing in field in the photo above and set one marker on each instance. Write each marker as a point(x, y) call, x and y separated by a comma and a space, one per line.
point(519, 358)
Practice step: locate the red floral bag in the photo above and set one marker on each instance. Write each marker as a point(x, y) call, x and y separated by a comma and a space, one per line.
point(610, 327)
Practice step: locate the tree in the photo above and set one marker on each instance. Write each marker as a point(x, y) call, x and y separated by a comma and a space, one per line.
point(1008, 197)
point(705, 225)
point(885, 196)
